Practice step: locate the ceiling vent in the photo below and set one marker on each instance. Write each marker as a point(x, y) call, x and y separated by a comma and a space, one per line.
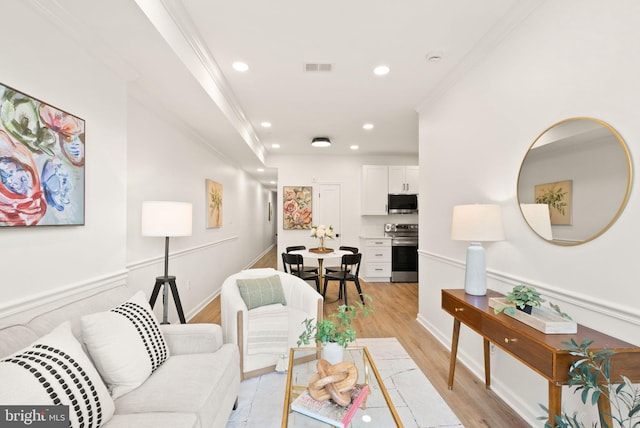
point(313, 67)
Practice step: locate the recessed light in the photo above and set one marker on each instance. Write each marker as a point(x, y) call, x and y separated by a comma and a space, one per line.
point(381, 70)
point(260, 169)
point(272, 182)
point(275, 146)
point(265, 124)
point(321, 142)
point(240, 66)
point(367, 126)
point(354, 147)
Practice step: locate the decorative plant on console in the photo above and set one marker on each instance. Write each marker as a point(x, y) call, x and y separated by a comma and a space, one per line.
point(336, 328)
point(591, 375)
point(523, 297)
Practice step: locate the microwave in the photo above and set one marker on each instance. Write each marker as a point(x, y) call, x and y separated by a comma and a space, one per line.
point(402, 204)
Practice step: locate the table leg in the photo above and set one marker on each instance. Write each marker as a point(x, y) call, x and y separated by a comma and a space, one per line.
point(555, 401)
point(487, 364)
point(454, 351)
point(604, 409)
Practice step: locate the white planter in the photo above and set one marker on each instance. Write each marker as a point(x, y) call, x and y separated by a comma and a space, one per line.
point(332, 352)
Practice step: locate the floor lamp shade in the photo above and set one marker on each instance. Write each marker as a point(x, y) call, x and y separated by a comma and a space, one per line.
point(476, 224)
point(165, 218)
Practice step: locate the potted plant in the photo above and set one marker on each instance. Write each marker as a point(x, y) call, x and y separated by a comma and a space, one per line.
point(334, 332)
point(590, 376)
point(523, 297)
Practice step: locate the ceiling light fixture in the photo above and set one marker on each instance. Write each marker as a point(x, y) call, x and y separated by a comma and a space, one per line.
point(266, 124)
point(275, 146)
point(321, 142)
point(354, 147)
point(367, 126)
point(260, 169)
point(240, 66)
point(381, 70)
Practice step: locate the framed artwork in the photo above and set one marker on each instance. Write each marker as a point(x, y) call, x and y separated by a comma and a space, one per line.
point(214, 203)
point(297, 213)
point(558, 196)
point(41, 162)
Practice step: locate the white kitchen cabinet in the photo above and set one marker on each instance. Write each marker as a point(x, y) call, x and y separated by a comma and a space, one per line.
point(375, 181)
point(376, 259)
point(403, 179)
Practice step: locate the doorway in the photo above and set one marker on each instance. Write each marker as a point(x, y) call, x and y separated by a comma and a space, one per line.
point(329, 211)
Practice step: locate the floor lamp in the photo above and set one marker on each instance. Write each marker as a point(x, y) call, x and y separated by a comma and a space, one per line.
point(164, 218)
point(476, 224)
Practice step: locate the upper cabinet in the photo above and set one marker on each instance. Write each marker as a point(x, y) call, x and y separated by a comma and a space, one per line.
point(374, 190)
point(403, 179)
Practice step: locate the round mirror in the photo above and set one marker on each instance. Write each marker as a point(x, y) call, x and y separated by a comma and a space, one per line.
point(574, 181)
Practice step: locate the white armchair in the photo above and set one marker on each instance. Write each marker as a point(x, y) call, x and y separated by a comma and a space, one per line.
point(237, 321)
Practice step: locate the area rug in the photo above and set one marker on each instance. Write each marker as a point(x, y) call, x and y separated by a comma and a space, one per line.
point(417, 402)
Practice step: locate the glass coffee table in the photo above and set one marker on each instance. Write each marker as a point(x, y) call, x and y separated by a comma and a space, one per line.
point(376, 411)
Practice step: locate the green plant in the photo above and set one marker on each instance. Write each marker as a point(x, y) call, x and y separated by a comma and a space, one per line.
point(336, 327)
point(591, 375)
point(521, 296)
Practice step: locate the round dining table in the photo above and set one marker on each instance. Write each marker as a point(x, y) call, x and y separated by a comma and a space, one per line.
point(320, 257)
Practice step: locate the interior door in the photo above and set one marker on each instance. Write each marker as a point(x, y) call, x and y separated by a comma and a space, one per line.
point(329, 211)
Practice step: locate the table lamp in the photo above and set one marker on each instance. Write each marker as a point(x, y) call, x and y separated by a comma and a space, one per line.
point(165, 218)
point(476, 224)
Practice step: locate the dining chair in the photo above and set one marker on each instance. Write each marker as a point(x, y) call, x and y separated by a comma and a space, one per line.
point(294, 264)
point(302, 247)
point(354, 250)
point(349, 271)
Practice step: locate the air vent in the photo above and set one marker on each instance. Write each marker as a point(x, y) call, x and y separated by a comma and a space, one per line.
point(314, 67)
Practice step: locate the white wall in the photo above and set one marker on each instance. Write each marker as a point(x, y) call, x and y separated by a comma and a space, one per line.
point(132, 154)
point(168, 163)
point(46, 262)
point(569, 58)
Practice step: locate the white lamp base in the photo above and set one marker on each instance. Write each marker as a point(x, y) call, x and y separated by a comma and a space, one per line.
point(475, 278)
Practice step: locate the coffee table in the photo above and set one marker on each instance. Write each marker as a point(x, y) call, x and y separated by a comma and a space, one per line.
point(377, 410)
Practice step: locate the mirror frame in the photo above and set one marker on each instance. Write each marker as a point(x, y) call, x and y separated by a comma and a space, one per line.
point(623, 204)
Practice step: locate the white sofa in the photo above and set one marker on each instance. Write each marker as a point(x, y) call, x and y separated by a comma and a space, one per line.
point(302, 301)
point(196, 387)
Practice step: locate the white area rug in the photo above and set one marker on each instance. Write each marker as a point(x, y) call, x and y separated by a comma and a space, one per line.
point(417, 402)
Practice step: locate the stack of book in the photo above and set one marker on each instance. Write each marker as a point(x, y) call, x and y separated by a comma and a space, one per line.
point(328, 411)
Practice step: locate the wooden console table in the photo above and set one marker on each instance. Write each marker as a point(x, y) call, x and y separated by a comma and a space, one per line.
point(544, 353)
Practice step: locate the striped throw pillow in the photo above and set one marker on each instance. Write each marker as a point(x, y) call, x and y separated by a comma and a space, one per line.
point(125, 343)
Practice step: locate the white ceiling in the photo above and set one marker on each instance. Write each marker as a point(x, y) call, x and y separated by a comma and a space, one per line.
point(177, 57)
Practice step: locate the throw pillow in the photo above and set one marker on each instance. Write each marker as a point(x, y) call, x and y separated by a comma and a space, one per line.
point(125, 343)
point(54, 370)
point(258, 292)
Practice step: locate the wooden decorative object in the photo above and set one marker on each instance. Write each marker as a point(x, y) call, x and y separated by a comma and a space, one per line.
point(333, 382)
point(541, 318)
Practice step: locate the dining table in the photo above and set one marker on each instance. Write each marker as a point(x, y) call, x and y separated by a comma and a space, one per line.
point(320, 256)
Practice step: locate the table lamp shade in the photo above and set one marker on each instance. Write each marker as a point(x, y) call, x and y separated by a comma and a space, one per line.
point(165, 218)
point(477, 223)
point(539, 219)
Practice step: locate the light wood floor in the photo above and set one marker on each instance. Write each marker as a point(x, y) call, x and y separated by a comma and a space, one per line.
point(396, 309)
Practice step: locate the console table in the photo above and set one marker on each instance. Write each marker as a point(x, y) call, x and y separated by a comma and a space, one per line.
point(544, 353)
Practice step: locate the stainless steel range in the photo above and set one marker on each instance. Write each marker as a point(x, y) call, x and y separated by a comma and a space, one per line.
point(404, 251)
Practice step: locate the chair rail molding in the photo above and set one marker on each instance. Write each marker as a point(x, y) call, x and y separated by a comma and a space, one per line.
point(603, 307)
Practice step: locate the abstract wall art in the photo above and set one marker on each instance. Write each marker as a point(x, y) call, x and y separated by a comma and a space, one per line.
point(297, 207)
point(41, 163)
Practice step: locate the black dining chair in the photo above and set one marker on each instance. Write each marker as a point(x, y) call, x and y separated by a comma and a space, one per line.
point(294, 264)
point(302, 247)
point(349, 271)
point(354, 250)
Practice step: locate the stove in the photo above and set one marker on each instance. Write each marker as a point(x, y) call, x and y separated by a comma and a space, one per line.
point(404, 251)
